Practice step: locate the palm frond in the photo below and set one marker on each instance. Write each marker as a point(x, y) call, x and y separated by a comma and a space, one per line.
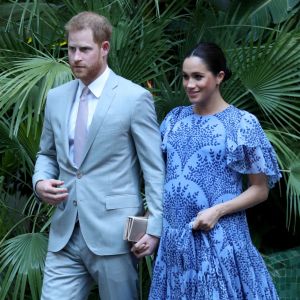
point(12, 44)
point(289, 163)
point(293, 192)
point(168, 95)
point(263, 70)
point(284, 267)
point(143, 54)
point(22, 262)
point(278, 10)
point(282, 142)
point(20, 147)
point(29, 14)
point(24, 87)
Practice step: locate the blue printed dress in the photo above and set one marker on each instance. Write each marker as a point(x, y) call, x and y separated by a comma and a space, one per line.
point(206, 157)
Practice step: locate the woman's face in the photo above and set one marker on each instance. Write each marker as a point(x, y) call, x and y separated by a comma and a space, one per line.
point(199, 83)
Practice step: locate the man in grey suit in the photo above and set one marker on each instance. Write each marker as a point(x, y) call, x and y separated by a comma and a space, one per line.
point(94, 178)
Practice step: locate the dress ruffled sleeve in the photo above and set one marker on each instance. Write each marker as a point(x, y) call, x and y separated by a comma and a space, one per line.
point(249, 150)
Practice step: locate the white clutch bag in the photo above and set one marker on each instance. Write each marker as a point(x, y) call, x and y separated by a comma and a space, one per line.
point(135, 228)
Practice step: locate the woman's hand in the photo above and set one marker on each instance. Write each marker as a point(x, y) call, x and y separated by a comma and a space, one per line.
point(206, 219)
point(257, 192)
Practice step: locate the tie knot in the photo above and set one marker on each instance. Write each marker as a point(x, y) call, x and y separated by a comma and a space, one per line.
point(85, 92)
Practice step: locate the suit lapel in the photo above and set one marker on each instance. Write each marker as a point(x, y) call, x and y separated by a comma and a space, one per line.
point(69, 96)
point(106, 99)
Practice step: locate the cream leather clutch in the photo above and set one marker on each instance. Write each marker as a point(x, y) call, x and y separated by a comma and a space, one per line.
point(135, 228)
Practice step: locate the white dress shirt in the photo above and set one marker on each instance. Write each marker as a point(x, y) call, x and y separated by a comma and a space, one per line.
point(96, 88)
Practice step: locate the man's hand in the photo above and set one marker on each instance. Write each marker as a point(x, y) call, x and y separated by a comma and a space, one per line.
point(50, 191)
point(145, 246)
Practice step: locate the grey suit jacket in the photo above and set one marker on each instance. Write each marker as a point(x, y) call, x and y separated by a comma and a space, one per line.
point(123, 143)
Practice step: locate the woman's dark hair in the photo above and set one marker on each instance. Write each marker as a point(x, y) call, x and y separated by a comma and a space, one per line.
point(213, 57)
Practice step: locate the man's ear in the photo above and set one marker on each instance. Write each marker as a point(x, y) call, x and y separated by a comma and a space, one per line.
point(105, 46)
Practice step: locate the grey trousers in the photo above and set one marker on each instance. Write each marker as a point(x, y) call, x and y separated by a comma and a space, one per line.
point(70, 273)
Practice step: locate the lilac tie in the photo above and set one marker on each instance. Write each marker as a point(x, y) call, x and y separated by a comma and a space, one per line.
point(80, 135)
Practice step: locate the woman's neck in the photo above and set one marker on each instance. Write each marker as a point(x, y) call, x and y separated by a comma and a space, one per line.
point(210, 107)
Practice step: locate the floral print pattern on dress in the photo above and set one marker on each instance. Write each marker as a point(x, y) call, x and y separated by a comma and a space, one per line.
point(206, 157)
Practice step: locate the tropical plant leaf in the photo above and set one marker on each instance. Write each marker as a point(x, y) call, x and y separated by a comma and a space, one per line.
point(284, 267)
point(168, 95)
point(270, 73)
point(22, 262)
point(293, 192)
point(141, 57)
point(19, 147)
point(28, 14)
point(149, 42)
point(290, 166)
point(24, 87)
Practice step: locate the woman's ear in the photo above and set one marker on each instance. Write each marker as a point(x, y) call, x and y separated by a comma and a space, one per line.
point(220, 77)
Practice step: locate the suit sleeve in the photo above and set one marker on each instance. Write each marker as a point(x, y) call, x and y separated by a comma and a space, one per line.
point(46, 166)
point(146, 136)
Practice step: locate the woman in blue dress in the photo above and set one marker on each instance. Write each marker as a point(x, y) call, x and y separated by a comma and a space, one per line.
point(205, 251)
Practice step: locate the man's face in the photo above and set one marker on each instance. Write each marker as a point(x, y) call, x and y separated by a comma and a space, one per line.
point(87, 59)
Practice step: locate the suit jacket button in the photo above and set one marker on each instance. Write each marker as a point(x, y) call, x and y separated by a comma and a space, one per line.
point(74, 202)
point(78, 174)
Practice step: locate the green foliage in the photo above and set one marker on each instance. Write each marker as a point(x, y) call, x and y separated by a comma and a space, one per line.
point(22, 257)
point(285, 270)
point(145, 275)
point(5, 221)
point(261, 41)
